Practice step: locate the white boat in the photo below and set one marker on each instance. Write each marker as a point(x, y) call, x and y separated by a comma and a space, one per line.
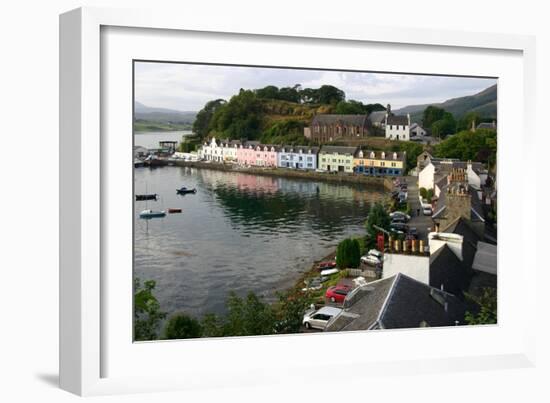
point(152, 214)
point(329, 272)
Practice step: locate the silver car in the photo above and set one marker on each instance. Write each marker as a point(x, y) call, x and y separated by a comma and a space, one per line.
point(318, 319)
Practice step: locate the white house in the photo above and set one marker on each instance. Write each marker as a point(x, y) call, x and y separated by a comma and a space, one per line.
point(211, 151)
point(431, 177)
point(417, 130)
point(229, 150)
point(397, 126)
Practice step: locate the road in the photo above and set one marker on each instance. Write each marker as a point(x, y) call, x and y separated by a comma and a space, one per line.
point(422, 223)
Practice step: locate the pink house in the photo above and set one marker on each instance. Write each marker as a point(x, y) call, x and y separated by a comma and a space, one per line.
point(260, 155)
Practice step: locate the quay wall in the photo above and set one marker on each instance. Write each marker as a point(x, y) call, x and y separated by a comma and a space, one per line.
point(380, 182)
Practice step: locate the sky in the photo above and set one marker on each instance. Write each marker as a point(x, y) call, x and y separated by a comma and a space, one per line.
point(187, 87)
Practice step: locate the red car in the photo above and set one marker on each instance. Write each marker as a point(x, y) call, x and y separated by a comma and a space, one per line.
point(337, 293)
point(329, 264)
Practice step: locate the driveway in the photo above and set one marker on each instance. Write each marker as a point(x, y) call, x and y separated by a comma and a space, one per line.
point(422, 223)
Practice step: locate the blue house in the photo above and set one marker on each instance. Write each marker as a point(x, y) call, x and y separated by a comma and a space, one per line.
point(297, 157)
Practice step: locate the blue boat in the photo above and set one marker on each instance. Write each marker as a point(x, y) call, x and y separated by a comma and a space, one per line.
point(183, 190)
point(151, 214)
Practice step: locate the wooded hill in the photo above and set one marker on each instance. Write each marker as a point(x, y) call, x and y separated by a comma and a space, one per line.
point(484, 103)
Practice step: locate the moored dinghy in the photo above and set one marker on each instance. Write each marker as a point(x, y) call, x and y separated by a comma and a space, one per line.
point(174, 210)
point(183, 190)
point(151, 214)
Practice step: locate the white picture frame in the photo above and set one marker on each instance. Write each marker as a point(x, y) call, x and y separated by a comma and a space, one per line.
point(85, 310)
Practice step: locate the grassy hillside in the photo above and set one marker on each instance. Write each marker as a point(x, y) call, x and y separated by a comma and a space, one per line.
point(484, 102)
point(161, 119)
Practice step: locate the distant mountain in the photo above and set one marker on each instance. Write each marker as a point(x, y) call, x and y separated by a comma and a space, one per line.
point(162, 115)
point(484, 103)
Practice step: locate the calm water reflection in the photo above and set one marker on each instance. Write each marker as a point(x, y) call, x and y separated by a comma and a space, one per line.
point(239, 232)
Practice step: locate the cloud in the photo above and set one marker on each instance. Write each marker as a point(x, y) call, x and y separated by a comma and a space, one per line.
point(190, 86)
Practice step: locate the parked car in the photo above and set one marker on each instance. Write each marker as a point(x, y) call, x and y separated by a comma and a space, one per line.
point(396, 214)
point(397, 226)
point(376, 253)
point(337, 293)
point(318, 319)
point(370, 260)
point(399, 219)
point(427, 210)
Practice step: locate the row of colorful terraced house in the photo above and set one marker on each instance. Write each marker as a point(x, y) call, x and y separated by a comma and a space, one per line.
point(325, 158)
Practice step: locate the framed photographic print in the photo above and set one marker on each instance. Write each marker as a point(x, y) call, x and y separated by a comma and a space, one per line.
point(235, 198)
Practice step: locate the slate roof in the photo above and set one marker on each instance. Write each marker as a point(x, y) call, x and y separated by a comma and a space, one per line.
point(338, 149)
point(446, 165)
point(485, 259)
point(447, 269)
point(397, 302)
point(330, 119)
point(378, 155)
point(296, 149)
point(485, 125)
point(470, 239)
point(398, 120)
point(377, 116)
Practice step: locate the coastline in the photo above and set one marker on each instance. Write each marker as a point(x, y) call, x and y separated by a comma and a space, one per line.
point(380, 182)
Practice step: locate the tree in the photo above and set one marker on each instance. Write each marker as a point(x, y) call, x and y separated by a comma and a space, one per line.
point(241, 117)
point(430, 115)
point(201, 126)
point(444, 126)
point(348, 253)
point(466, 121)
point(181, 326)
point(350, 108)
point(289, 311)
point(480, 146)
point(487, 313)
point(269, 92)
point(378, 216)
point(369, 108)
point(147, 313)
point(329, 94)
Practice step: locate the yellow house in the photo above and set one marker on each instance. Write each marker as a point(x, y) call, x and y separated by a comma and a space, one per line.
point(337, 158)
point(379, 163)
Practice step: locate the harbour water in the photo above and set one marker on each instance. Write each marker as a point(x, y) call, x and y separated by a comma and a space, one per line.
point(239, 232)
point(151, 139)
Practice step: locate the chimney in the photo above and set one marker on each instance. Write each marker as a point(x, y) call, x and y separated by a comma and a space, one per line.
point(442, 287)
point(388, 109)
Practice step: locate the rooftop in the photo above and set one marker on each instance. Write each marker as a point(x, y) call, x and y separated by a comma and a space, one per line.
point(397, 302)
point(338, 150)
point(330, 119)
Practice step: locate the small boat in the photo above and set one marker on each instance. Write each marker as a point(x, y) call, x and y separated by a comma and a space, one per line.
point(329, 272)
point(174, 210)
point(183, 190)
point(151, 214)
point(147, 197)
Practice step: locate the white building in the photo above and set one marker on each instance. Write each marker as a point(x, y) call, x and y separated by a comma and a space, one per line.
point(397, 126)
point(211, 151)
point(431, 177)
point(229, 150)
point(417, 130)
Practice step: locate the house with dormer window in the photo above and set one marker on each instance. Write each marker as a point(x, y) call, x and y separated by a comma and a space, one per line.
point(379, 163)
point(297, 157)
